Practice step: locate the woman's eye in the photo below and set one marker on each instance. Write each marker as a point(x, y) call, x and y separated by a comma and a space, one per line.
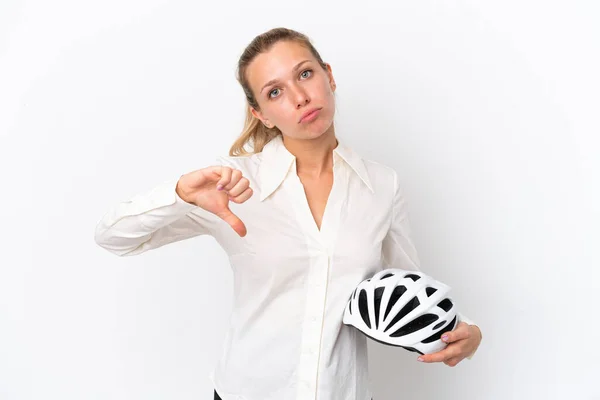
point(303, 73)
point(272, 92)
point(308, 70)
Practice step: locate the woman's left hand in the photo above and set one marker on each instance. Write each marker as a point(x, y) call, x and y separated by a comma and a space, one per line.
point(462, 342)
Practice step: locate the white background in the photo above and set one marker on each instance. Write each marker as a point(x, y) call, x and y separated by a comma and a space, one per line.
point(488, 111)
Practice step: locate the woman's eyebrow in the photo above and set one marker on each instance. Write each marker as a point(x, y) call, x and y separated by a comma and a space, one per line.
point(272, 81)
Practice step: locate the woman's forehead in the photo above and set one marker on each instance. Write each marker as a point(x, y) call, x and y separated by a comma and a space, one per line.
point(276, 63)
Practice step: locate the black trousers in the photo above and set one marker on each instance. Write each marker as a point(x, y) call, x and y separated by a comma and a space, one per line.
point(219, 398)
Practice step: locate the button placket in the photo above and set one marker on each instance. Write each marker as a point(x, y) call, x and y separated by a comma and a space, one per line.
point(319, 243)
point(311, 339)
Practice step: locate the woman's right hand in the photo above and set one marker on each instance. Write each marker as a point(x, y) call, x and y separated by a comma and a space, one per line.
point(212, 188)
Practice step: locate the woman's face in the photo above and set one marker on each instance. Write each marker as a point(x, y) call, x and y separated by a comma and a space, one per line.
point(287, 82)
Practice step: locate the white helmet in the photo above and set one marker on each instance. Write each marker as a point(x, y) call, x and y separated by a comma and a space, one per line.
point(402, 308)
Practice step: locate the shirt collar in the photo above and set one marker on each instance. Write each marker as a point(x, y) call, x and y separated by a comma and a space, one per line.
point(277, 161)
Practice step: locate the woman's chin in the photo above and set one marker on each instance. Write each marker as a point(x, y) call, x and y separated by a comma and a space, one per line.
point(317, 129)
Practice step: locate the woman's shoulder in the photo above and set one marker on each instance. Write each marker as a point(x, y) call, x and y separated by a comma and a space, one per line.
point(377, 172)
point(241, 160)
point(247, 163)
point(378, 167)
point(381, 175)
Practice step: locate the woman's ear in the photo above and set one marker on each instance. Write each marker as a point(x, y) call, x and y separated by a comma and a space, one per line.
point(258, 115)
point(332, 84)
point(255, 113)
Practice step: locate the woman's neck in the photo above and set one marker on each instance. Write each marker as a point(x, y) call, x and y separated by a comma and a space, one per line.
point(314, 157)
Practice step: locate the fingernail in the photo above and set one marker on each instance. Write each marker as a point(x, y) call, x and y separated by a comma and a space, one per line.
point(219, 187)
point(445, 338)
point(420, 359)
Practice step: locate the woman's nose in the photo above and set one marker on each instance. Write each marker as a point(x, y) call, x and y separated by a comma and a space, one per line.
point(300, 97)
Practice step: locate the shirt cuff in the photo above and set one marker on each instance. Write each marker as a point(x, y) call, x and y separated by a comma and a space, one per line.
point(462, 318)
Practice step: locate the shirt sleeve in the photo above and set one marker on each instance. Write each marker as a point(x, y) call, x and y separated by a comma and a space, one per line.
point(398, 248)
point(150, 220)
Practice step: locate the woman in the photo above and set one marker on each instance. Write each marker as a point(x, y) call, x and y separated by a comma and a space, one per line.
point(303, 219)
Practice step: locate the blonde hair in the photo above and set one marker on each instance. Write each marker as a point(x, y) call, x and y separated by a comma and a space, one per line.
point(255, 133)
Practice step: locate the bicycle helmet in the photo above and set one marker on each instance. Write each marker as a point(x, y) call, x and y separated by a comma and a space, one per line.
point(402, 308)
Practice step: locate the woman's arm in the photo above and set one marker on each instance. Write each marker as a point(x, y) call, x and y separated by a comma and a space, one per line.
point(150, 220)
point(398, 248)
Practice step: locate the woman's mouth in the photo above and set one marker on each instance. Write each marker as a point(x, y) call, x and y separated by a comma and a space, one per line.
point(311, 117)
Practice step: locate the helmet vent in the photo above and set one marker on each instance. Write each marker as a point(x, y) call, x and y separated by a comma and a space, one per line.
point(413, 326)
point(438, 335)
point(363, 307)
point(445, 305)
point(439, 325)
point(411, 305)
point(378, 293)
point(396, 294)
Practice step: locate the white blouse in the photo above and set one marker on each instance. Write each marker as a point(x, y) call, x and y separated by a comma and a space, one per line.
point(285, 339)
